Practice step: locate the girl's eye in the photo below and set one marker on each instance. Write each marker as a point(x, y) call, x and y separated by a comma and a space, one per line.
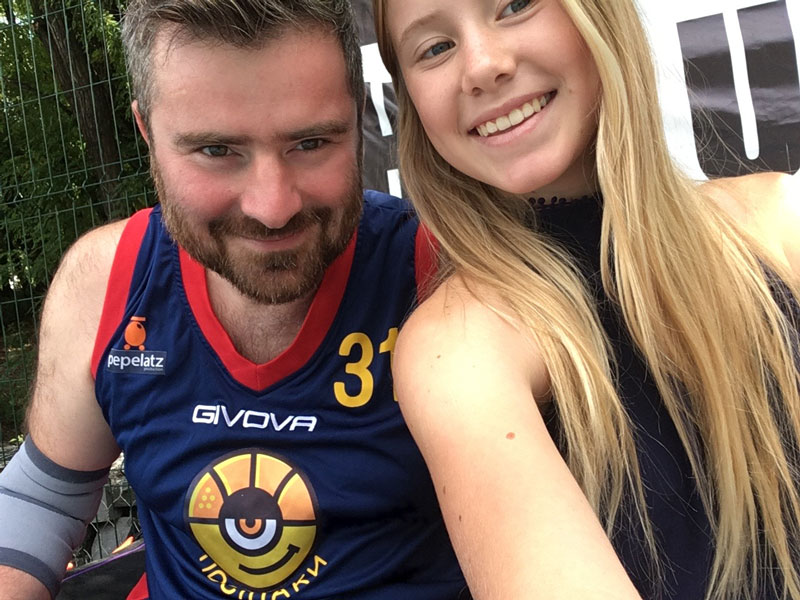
point(515, 6)
point(216, 151)
point(437, 49)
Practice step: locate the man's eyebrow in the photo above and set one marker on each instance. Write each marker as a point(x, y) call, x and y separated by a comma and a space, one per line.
point(333, 127)
point(208, 138)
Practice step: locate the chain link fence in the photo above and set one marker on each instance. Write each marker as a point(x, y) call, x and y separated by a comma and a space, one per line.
point(70, 160)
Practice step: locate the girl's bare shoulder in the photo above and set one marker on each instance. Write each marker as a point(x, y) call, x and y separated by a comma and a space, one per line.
point(465, 323)
point(767, 206)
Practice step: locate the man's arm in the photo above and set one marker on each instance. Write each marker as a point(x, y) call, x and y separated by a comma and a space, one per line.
point(58, 476)
point(16, 585)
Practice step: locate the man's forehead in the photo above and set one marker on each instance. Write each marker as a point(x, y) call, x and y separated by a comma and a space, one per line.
point(181, 56)
point(171, 37)
point(293, 83)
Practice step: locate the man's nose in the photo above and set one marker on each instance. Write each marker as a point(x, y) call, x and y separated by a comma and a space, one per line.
point(270, 192)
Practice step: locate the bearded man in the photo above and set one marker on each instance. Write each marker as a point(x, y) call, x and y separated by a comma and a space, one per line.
point(235, 340)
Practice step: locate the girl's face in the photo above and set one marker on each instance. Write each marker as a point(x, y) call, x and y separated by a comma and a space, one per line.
point(507, 91)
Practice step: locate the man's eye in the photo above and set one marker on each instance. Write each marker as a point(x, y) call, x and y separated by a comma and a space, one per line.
point(515, 6)
point(437, 49)
point(312, 144)
point(216, 151)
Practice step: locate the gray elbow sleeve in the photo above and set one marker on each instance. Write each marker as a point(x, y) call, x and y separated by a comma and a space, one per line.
point(44, 510)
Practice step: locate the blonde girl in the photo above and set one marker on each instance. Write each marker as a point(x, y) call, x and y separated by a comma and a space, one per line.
point(605, 384)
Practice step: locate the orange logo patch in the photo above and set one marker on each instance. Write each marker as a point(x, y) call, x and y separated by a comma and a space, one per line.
point(135, 334)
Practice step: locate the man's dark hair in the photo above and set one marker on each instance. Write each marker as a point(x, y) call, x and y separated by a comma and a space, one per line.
point(240, 23)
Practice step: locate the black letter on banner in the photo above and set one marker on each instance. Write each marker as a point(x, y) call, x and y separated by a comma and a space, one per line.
point(772, 70)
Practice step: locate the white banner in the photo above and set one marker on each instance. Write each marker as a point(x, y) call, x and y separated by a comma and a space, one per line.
point(740, 59)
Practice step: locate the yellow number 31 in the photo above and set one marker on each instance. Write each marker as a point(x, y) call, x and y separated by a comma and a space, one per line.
point(360, 367)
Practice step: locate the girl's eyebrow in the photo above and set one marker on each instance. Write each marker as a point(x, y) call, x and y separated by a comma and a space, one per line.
point(417, 23)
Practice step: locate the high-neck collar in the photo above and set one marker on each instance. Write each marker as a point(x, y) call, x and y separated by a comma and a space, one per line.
point(553, 201)
point(574, 223)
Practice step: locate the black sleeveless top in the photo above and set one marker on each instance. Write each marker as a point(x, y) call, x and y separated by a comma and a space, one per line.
point(680, 523)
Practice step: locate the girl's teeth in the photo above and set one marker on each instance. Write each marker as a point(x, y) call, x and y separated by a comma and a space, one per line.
point(515, 117)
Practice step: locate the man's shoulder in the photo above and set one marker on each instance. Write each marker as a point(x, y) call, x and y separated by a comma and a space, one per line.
point(92, 254)
point(385, 217)
point(74, 300)
point(384, 213)
point(86, 267)
point(382, 200)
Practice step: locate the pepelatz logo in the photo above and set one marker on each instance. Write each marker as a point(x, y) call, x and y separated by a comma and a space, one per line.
point(134, 358)
point(128, 361)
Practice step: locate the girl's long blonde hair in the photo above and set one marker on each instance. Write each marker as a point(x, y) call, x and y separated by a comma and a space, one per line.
point(692, 289)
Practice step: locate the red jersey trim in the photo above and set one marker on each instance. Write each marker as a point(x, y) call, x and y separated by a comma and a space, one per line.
point(426, 261)
point(119, 282)
point(139, 591)
point(315, 326)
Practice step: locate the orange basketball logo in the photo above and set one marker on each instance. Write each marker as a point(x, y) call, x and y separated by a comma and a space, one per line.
point(135, 334)
point(254, 515)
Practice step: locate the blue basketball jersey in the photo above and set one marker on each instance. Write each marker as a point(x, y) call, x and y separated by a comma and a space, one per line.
point(296, 478)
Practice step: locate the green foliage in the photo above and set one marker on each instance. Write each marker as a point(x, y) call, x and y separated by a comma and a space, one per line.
point(70, 158)
point(16, 372)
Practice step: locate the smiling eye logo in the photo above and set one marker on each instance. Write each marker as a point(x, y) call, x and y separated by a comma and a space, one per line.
point(254, 515)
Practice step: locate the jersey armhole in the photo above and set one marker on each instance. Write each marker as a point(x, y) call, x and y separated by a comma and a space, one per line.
point(426, 261)
point(119, 282)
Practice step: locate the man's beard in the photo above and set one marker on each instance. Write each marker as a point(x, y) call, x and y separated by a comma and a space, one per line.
point(266, 277)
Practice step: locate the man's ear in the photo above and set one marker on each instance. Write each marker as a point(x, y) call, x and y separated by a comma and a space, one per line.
point(140, 122)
